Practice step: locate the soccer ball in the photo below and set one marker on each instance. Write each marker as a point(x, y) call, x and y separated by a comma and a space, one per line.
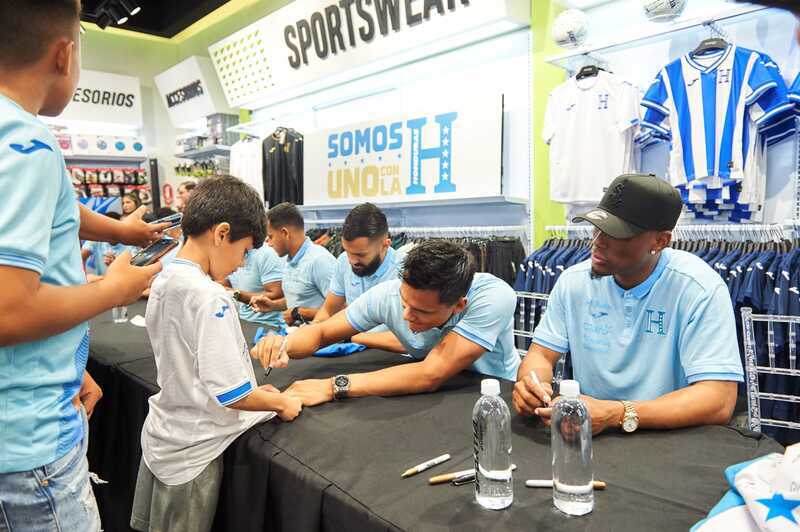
point(570, 28)
point(663, 10)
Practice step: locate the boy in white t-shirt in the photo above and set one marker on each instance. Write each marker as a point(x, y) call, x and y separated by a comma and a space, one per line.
point(209, 395)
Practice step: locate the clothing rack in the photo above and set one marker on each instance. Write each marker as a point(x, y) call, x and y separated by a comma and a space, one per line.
point(477, 231)
point(733, 232)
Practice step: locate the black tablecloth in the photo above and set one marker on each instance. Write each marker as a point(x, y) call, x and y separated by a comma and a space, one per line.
point(337, 467)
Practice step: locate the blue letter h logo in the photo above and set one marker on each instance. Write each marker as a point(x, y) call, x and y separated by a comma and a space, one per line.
point(443, 153)
point(656, 325)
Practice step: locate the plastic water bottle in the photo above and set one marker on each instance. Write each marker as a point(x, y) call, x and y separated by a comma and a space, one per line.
point(491, 426)
point(571, 439)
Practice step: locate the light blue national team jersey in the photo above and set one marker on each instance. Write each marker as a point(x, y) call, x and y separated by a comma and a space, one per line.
point(487, 320)
point(703, 104)
point(674, 329)
point(350, 286)
point(39, 226)
point(263, 266)
point(307, 276)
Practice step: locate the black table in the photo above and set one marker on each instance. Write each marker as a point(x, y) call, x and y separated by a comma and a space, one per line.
point(337, 467)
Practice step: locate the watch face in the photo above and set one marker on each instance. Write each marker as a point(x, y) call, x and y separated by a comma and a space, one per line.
point(630, 425)
point(341, 381)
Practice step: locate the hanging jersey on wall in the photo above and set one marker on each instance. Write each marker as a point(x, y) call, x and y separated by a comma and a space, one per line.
point(590, 126)
point(283, 167)
point(247, 164)
point(711, 107)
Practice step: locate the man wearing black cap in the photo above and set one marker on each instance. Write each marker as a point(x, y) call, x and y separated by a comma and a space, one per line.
point(650, 330)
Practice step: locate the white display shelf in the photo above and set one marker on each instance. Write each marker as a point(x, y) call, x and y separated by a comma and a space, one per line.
point(489, 200)
point(653, 34)
point(205, 153)
point(106, 158)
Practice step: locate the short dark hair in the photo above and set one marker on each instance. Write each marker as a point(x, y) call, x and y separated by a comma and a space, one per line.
point(113, 214)
point(188, 185)
point(29, 27)
point(163, 212)
point(226, 199)
point(286, 214)
point(788, 5)
point(442, 266)
point(365, 220)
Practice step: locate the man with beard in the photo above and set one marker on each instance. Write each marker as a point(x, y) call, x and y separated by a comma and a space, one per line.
point(368, 260)
point(650, 330)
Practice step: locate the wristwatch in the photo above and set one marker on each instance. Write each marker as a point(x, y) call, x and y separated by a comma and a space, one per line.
point(341, 387)
point(236, 294)
point(630, 419)
point(296, 316)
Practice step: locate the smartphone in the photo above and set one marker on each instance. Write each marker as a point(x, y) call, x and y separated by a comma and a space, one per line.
point(154, 251)
point(174, 220)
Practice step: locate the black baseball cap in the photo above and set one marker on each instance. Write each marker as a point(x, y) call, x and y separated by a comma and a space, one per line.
point(633, 204)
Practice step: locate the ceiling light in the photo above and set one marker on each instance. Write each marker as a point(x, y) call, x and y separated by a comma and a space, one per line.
point(117, 14)
point(131, 6)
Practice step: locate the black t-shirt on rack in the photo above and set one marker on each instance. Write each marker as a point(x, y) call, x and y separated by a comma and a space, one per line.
point(283, 167)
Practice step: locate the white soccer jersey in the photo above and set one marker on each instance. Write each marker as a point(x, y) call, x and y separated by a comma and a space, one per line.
point(203, 365)
point(590, 126)
point(247, 163)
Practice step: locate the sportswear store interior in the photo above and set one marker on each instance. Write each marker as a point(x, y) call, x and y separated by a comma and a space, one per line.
point(371, 265)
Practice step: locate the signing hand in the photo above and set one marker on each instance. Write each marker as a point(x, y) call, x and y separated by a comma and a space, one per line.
point(528, 396)
point(135, 232)
point(312, 392)
point(605, 414)
point(268, 351)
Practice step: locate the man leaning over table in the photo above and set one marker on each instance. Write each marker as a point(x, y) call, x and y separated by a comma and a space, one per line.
point(650, 330)
point(447, 317)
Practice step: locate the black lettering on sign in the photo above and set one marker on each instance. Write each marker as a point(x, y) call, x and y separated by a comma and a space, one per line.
point(412, 19)
point(102, 97)
point(304, 34)
point(385, 10)
point(369, 33)
point(430, 4)
point(184, 94)
point(347, 5)
point(319, 35)
point(289, 35)
point(334, 19)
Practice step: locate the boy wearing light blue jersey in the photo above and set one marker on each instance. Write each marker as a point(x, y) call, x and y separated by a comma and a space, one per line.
point(446, 316)
point(261, 276)
point(45, 301)
point(650, 330)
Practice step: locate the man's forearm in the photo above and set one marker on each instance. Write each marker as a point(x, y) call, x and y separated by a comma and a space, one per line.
point(308, 313)
point(385, 341)
point(703, 403)
point(52, 310)
point(538, 363)
point(404, 379)
point(98, 228)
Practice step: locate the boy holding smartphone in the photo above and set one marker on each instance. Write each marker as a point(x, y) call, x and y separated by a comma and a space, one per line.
point(45, 302)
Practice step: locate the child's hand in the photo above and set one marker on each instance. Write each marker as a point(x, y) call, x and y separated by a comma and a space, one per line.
point(291, 409)
point(126, 281)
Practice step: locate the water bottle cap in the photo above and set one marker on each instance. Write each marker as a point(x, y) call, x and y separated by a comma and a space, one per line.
point(569, 388)
point(490, 387)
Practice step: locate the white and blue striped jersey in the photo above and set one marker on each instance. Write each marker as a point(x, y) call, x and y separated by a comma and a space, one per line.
point(703, 105)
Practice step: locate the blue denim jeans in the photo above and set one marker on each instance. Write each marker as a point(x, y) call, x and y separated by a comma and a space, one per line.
point(56, 497)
